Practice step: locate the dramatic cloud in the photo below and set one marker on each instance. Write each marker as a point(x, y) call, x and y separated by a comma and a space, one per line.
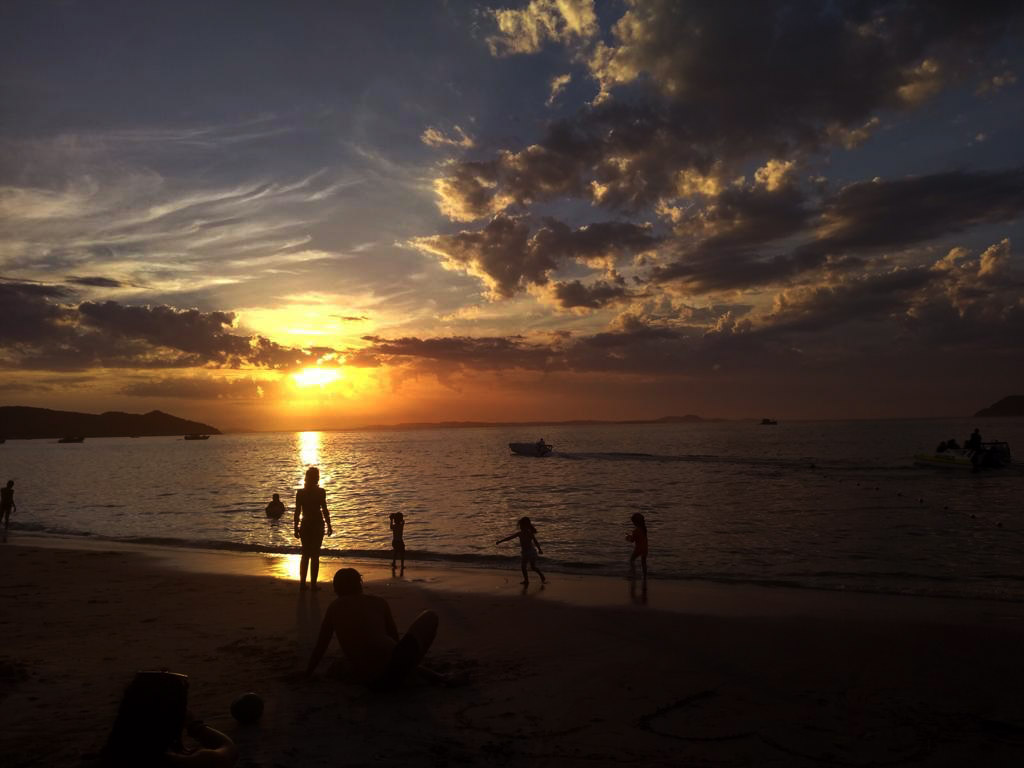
point(886, 214)
point(508, 258)
point(433, 137)
point(862, 218)
point(45, 334)
point(807, 76)
point(93, 282)
point(29, 313)
point(540, 22)
point(204, 388)
point(601, 293)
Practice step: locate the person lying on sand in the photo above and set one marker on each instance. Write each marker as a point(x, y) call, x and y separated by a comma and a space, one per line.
point(366, 631)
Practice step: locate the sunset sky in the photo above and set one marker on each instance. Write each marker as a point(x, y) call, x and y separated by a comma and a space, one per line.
point(271, 215)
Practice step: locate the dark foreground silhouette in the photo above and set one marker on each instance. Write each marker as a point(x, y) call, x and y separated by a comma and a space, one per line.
point(311, 515)
point(150, 725)
point(375, 655)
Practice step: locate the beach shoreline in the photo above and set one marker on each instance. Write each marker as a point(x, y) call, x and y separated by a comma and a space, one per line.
point(691, 596)
point(802, 679)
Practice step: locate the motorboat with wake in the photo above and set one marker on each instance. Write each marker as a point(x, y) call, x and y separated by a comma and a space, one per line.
point(538, 449)
point(994, 455)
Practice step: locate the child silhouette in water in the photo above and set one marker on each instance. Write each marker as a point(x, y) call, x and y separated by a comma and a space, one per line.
point(527, 536)
point(639, 539)
point(275, 508)
point(397, 524)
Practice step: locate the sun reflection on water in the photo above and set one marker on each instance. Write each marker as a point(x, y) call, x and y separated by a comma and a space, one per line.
point(309, 448)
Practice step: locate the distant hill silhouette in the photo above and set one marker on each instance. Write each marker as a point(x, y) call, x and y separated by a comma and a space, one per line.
point(19, 422)
point(1008, 406)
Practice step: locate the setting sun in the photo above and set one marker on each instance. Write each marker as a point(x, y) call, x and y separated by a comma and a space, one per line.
point(310, 377)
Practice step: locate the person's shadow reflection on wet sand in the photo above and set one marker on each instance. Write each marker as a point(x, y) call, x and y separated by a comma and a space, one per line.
point(308, 617)
point(638, 597)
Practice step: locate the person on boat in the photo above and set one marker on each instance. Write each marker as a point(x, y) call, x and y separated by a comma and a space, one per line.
point(396, 521)
point(941, 447)
point(542, 447)
point(7, 504)
point(275, 508)
point(151, 720)
point(639, 539)
point(310, 516)
point(973, 443)
point(529, 546)
point(375, 655)
point(952, 444)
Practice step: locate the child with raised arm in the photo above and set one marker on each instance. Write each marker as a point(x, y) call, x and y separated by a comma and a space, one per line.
point(396, 520)
point(530, 547)
point(639, 539)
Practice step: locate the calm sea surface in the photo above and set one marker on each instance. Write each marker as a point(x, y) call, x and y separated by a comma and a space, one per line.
point(834, 505)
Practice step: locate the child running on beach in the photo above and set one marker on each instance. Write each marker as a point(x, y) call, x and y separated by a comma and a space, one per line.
point(639, 539)
point(397, 523)
point(527, 536)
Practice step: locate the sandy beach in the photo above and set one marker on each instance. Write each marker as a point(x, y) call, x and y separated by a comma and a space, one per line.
point(583, 672)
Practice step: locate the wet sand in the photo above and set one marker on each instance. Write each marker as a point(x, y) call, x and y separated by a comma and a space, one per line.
point(583, 672)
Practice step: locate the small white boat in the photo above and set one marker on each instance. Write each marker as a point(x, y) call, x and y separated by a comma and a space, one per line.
point(989, 456)
point(537, 449)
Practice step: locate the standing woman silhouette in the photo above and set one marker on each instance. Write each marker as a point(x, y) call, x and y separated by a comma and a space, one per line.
point(310, 516)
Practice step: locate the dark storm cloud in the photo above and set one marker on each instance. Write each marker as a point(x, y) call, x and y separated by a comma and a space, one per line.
point(885, 214)
point(487, 353)
point(860, 219)
point(202, 333)
point(864, 298)
point(635, 349)
point(599, 294)
point(28, 314)
point(203, 388)
point(509, 258)
point(687, 85)
point(94, 282)
point(40, 332)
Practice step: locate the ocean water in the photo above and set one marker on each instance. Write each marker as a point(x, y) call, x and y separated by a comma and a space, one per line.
point(830, 505)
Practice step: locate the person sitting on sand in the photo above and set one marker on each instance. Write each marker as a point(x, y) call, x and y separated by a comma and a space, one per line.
point(639, 539)
point(310, 516)
point(150, 722)
point(275, 508)
point(530, 547)
point(7, 504)
point(397, 523)
point(374, 653)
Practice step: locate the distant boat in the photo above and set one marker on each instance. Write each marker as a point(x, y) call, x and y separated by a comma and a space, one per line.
point(768, 422)
point(71, 440)
point(197, 437)
point(537, 449)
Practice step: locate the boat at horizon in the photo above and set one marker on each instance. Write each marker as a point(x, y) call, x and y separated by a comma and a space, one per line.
point(71, 440)
point(197, 437)
point(538, 449)
point(768, 422)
